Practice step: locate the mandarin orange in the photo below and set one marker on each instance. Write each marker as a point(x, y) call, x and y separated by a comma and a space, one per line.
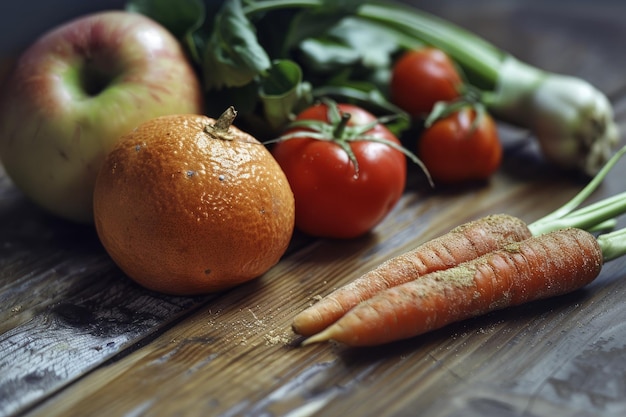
point(185, 204)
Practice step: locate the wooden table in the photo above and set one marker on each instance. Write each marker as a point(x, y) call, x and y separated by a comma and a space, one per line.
point(77, 338)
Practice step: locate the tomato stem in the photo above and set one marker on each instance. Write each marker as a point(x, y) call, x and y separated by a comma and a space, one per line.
point(341, 126)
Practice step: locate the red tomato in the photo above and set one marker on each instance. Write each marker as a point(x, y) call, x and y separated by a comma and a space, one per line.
point(331, 201)
point(420, 78)
point(455, 151)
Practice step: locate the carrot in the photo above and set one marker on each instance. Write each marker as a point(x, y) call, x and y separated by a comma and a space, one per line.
point(542, 266)
point(462, 244)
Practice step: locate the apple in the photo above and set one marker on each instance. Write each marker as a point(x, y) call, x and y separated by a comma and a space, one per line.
point(75, 91)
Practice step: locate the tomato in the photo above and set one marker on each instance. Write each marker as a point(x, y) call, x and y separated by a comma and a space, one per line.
point(422, 77)
point(333, 199)
point(454, 149)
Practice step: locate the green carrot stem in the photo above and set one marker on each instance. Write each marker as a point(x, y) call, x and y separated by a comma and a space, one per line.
point(586, 218)
point(600, 205)
point(613, 244)
point(604, 226)
point(585, 192)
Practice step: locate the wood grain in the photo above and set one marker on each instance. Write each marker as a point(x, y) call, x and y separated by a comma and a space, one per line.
point(78, 338)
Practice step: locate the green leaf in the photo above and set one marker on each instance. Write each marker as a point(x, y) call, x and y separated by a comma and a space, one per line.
point(283, 93)
point(311, 22)
point(233, 56)
point(372, 43)
point(327, 55)
point(352, 41)
point(178, 16)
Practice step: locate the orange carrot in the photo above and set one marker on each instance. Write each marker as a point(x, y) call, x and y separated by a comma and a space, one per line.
point(461, 244)
point(539, 267)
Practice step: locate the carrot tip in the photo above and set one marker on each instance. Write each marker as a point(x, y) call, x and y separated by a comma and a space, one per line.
point(322, 336)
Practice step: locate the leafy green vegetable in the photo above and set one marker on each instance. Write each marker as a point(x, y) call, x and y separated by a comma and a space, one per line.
point(310, 22)
point(282, 92)
point(270, 58)
point(232, 55)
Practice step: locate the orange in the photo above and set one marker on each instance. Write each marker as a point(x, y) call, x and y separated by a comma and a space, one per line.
point(187, 205)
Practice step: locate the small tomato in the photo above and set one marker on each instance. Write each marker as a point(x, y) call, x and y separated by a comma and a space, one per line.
point(461, 147)
point(422, 77)
point(334, 198)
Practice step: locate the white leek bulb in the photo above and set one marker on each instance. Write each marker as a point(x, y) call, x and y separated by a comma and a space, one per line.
point(571, 119)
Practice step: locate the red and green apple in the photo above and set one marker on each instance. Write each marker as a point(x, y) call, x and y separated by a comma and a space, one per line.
point(75, 91)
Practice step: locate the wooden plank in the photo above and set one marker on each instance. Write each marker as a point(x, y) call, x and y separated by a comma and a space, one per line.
point(78, 338)
point(64, 306)
point(236, 356)
point(80, 312)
